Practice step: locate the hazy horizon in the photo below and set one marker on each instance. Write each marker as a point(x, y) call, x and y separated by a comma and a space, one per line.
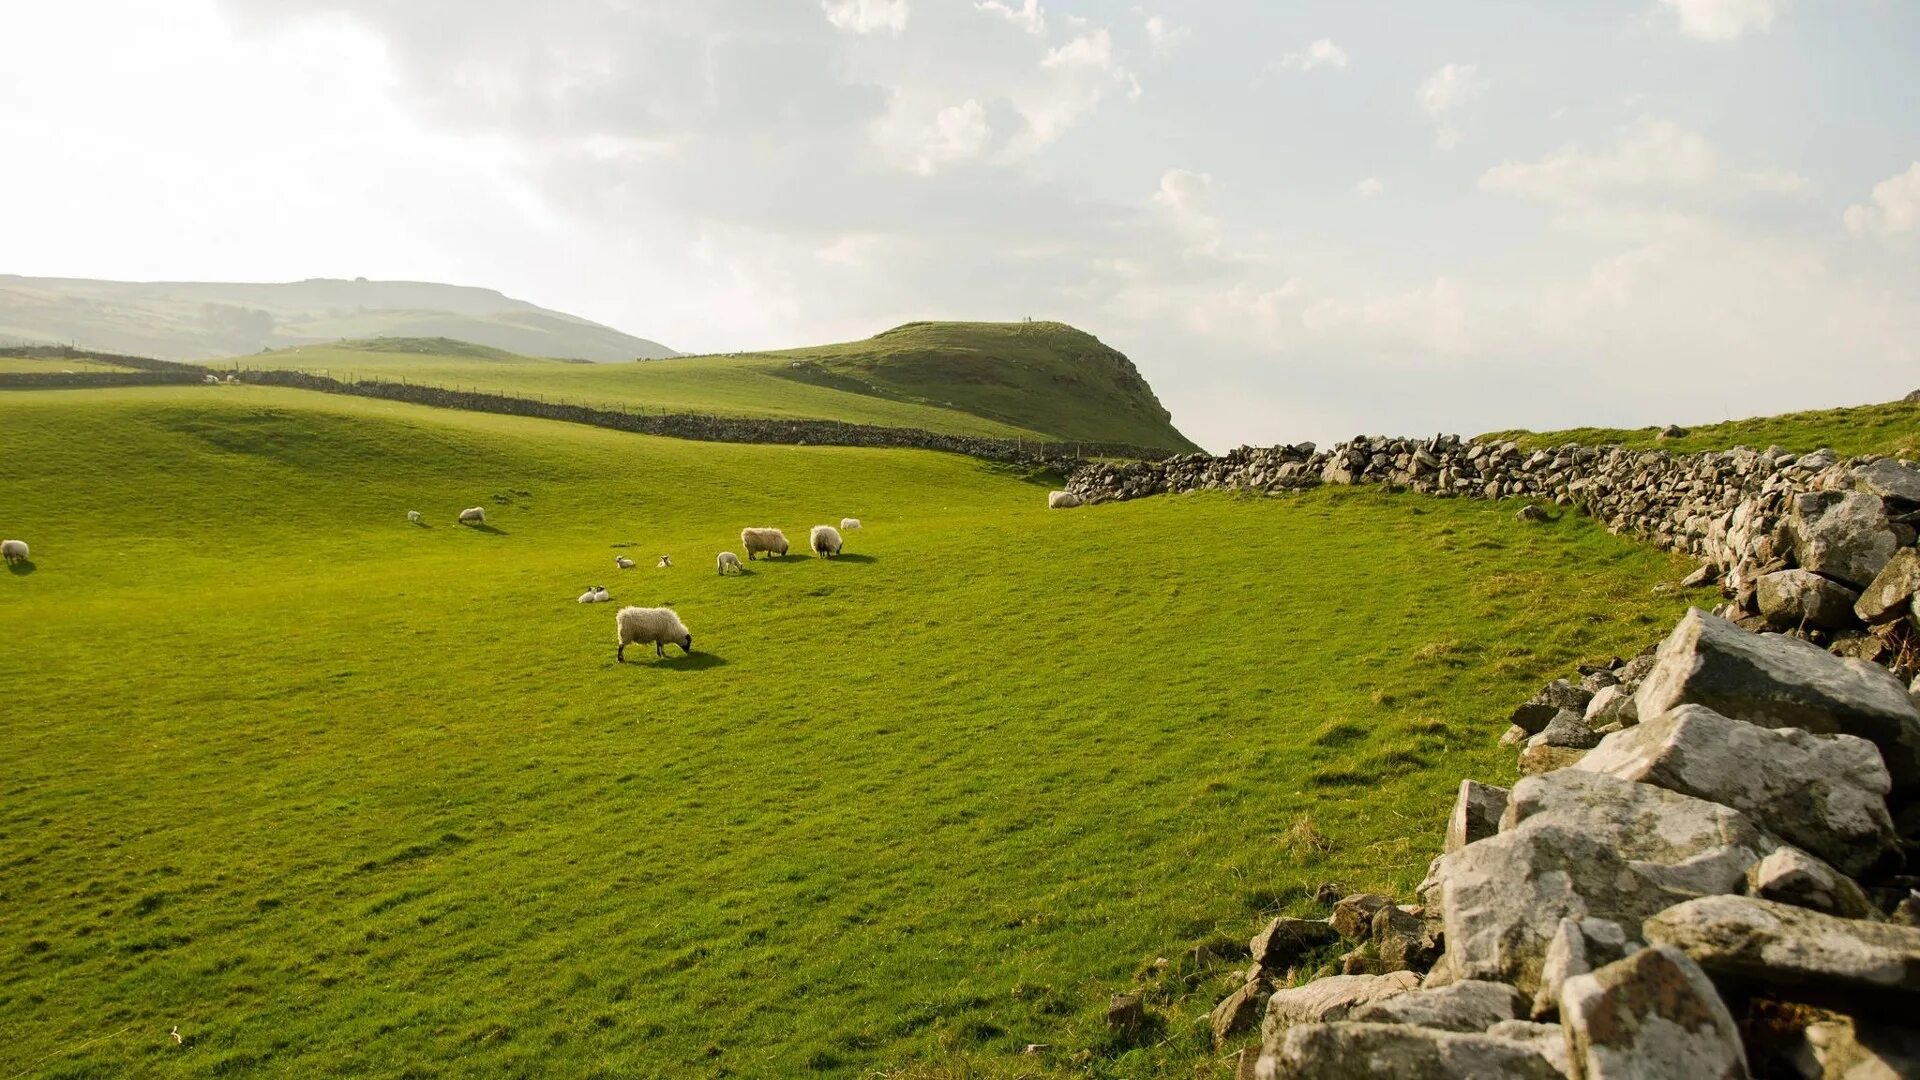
point(1299, 224)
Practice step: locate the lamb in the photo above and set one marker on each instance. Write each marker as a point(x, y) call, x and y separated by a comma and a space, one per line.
point(665, 561)
point(1063, 500)
point(595, 595)
point(849, 524)
point(729, 559)
point(623, 562)
point(473, 515)
point(769, 542)
point(15, 551)
point(656, 626)
point(414, 516)
point(825, 541)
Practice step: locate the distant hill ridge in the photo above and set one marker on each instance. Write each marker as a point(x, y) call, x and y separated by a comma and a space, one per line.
point(206, 320)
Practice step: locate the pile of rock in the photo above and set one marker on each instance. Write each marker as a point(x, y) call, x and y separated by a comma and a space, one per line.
point(1714, 884)
point(1809, 544)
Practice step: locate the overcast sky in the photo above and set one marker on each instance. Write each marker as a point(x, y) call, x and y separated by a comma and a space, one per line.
point(1302, 220)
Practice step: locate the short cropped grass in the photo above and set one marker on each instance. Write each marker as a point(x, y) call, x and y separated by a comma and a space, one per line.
point(335, 795)
point(1890, 429)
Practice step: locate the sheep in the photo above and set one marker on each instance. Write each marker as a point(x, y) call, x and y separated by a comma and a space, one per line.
point(849, 524)
point(414, 516)
point(769, 542)
point(665, 561)
point(1063, 500)
point(729, 559)
point(623, 562)
point(825, 541)
point(212, 380)
point(656, 626)
point(595, 595)
point(15, 551)
point(473, 515)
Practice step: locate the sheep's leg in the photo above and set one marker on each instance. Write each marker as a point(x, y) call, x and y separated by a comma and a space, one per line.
point(620, 654)
point(659, 650)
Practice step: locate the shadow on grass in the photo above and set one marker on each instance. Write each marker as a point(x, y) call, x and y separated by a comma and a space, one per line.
point(422, 524)
point(676, 661)
point(485, 528)
point(847, 556)
point(21, 568)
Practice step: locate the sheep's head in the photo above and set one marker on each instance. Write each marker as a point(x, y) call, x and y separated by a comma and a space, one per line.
point(686, 644)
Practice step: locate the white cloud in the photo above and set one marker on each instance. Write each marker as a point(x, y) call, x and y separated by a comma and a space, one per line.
point(1029, 16)
point(1084, 73)
point(1164, 35)
point(959, 132)
point(1723, 20)
point(1369, 188)
point(1444, 92)
point(1652, 156)
point(1184, 192)
point(1322, 53)
point(1895, 207)
point(867, 16)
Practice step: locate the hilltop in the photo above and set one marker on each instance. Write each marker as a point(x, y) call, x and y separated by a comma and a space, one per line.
point(205, 320)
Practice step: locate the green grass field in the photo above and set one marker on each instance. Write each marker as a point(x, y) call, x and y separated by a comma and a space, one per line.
point(337, 795)
point(1010, 380)
point(1892, 429)
point(53, 364)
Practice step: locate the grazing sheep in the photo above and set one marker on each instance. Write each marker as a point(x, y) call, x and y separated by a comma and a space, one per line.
point(656, 626)
point(212, 380)
point(413, 516)
point(14, 551)
point(665, 561)
point(623, 562)
point(825, 541)
point(728, 559)
point(595, 595)
point(1063, 500)
point(849, 524)
point(473, 515)
point(769, 542)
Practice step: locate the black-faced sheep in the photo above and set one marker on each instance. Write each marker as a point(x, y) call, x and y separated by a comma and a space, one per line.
point(825, 541)
point(768, 542)
point(665, 561)
point(656, 626)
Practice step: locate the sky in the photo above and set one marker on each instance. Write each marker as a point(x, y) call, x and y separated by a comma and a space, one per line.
point(1302, 220)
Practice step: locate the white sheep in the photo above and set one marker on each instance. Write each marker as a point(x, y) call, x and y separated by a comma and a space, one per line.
point(825, 541)
point(769, 542)
point(473, 515)
point(595, 595)
point(726, 560)
point(212, 380)
point(414, 516)
point(623, 562)
point(14, 551)
point(849, 524)
point(665, 561)
point(1063, 500)
point(656, 626)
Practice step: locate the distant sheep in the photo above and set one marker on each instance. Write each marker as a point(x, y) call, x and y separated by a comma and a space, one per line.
point(656, 626)
point(15, 551)
point(212, 380)
point(595, 595)
point(769, 542)
point(849, 524)
point(727, 560)
point(825, 541)
point(665, 561)
point(623, 562)
point(1063, 500)
point(413, 516)
point(473, 515)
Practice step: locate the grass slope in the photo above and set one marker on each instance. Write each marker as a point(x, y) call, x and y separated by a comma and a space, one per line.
point(1893, 429)
point(337, 795)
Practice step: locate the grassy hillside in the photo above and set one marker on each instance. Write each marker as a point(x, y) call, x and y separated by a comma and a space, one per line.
point(338, 795)
point(197, 320)
point(1893, 428)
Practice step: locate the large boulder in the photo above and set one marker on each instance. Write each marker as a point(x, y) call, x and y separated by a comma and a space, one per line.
point(1781, 945)
point(1576, 845)
point(1370, 1051)
point(1476, 814)
point(1473, 1005)
point(1651, 1016)
point(1331, 998)
point(1826, 793)
point(1804, 598)
point(1578, 946)
point(1776, 681)
point(1888, 479)
point(1891, 593)
point(1842, 534)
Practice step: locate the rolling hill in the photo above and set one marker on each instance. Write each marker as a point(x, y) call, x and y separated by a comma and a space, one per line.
point(1010, 380)
point(1892, 428)
point(330, 794)
point(204, 320)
